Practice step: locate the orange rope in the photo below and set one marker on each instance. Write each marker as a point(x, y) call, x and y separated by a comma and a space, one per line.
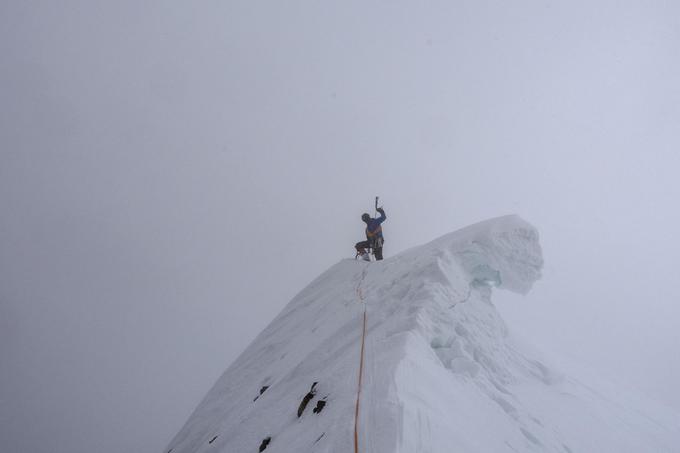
point(361, 367)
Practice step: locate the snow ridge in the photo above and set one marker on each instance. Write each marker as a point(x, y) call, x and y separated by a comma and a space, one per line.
point(442, 372)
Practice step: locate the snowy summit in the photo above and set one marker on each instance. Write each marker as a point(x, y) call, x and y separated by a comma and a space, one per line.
point(410, 355)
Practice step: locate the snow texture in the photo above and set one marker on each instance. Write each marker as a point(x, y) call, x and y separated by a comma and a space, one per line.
point(442, 373)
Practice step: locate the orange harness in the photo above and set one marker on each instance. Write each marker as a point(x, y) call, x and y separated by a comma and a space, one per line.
point(372, 234)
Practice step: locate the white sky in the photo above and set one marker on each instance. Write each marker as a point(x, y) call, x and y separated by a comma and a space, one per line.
point(172, 174)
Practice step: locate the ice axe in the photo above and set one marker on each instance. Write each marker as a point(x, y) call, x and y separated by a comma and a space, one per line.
point(376, 206)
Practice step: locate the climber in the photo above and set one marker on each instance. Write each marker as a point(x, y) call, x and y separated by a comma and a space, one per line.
point(374, 236)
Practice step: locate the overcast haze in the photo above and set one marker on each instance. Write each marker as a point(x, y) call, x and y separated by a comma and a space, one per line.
point(172, 173)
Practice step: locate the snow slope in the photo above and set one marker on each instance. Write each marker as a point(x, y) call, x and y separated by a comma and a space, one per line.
point(441, 371)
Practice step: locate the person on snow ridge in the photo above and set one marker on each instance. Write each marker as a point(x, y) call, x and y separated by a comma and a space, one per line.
point(374, 236)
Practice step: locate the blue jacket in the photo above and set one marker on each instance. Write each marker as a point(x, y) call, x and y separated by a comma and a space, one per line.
point(373, 227)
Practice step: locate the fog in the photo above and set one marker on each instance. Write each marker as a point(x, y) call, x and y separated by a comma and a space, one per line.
point(172, 174)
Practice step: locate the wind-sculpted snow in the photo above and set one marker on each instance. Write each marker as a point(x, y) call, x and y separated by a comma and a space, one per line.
point(442, 373)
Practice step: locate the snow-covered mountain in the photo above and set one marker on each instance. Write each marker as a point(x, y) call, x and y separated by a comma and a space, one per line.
point(410, 355)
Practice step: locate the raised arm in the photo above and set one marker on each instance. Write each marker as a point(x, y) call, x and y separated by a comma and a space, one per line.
point(382, 217)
